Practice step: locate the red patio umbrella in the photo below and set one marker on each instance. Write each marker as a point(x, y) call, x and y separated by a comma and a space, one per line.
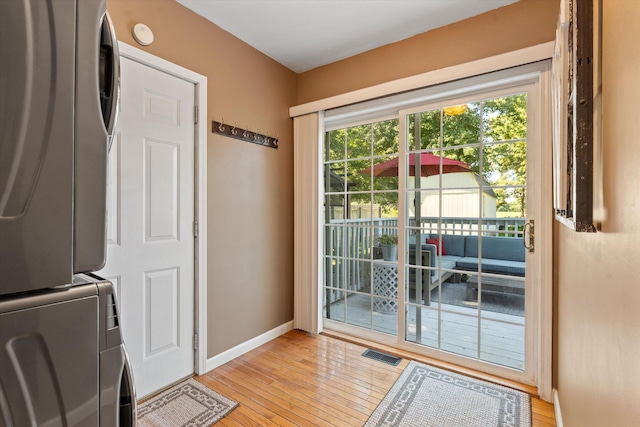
point(429, 165)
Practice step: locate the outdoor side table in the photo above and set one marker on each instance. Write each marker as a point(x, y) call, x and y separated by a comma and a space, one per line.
point(385, 284)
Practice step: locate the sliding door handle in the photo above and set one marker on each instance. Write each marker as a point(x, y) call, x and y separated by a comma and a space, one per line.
point(528, 236)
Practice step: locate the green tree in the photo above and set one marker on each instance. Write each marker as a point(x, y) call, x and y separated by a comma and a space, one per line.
point(500, 123)
point(506, 157)
point(355, 149)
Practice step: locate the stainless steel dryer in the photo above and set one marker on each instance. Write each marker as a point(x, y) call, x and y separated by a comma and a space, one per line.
point(62, 360)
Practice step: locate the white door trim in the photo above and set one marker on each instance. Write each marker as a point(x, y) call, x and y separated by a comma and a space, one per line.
point(200, 210)
point(539, 76)
point(478, 67)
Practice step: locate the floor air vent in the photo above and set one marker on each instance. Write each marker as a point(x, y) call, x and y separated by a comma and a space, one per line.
point(382, 357)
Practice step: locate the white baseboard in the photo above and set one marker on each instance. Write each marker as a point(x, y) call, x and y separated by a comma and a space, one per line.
point(556, 408)
point(247, 346)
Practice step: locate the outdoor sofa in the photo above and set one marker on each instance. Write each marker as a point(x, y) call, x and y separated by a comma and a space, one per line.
point(500, 255)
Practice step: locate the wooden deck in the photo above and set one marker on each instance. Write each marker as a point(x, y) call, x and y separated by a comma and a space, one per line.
point(302, 380)
point(501, 335)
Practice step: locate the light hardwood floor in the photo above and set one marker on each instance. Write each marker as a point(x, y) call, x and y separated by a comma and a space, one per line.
point(300, 379)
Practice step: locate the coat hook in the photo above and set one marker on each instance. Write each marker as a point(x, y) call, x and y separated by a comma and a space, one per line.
point(244, 133)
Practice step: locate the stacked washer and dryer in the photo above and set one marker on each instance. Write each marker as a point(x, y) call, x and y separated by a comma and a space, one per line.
point(62, 357)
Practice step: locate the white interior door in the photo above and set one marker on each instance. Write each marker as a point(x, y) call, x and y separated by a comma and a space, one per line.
point(150, 253)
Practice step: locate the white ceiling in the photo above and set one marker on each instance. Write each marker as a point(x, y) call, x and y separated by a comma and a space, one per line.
point(305, 34)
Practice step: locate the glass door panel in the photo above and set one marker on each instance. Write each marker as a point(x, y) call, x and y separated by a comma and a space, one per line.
point(465, 192)
point(361, 217)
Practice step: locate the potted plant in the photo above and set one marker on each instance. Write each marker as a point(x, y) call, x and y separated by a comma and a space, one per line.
point(389, 245)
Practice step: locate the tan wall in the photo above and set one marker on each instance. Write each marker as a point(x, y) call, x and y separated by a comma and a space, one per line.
point(250, 189)
point(522, 24)
point(598, 275)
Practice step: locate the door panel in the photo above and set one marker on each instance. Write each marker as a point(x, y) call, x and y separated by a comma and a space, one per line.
point(150, 219)
point(471, 222)
point(162, 181)
point(161, 311)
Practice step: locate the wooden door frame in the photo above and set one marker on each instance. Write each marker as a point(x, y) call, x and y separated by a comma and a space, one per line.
point(200, 196)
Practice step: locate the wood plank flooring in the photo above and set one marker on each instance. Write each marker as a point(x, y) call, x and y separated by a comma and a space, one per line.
point(300, 379)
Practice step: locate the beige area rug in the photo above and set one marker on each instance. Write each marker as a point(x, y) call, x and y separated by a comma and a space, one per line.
point(425, 396)
point(188, 403)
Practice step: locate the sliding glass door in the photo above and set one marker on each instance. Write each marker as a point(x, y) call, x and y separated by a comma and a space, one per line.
point(360, 208)
point(465, 187)
point(429, 224)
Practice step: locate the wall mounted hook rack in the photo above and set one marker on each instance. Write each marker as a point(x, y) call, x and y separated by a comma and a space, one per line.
point(222, 128)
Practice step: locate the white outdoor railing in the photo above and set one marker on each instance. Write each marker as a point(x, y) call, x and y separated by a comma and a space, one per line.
point(502, 227)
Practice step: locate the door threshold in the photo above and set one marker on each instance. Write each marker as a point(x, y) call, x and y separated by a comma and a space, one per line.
point(531, 390)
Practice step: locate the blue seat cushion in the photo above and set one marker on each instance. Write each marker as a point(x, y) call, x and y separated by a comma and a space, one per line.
point(453, 245)
point(498, 248)
point(448, 262)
